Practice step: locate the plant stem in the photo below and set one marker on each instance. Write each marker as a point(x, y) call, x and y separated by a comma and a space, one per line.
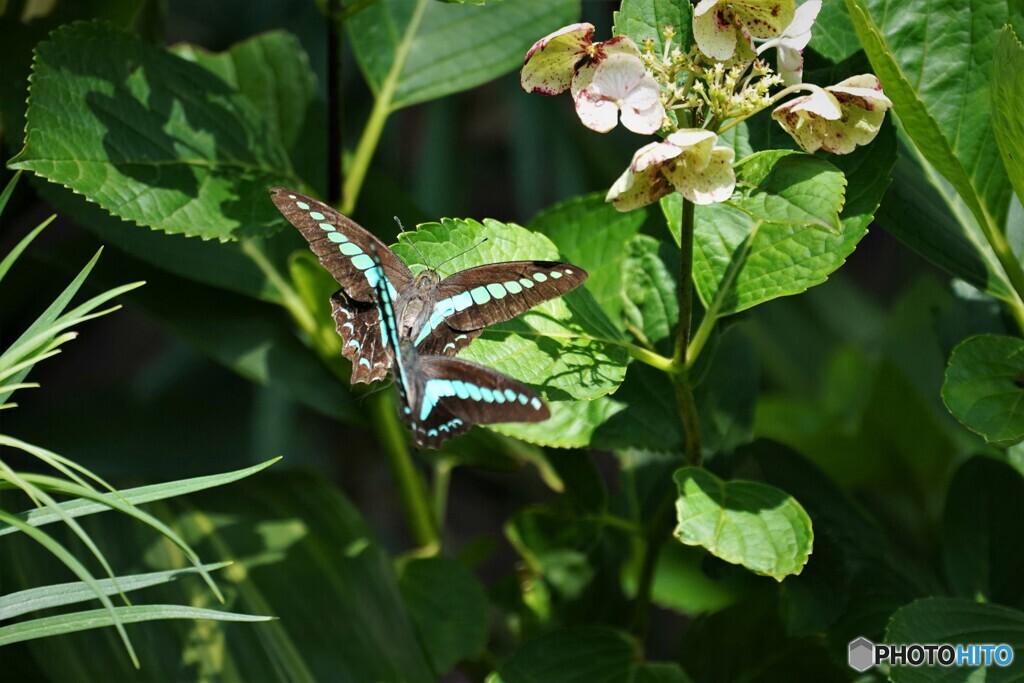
point(411, 489)
point(379, 114)
point(442, 478)
point(290, 299)
point(679, 373)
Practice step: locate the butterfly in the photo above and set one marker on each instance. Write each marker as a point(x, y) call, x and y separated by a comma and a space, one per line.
point(441, 396)
point(439, 317)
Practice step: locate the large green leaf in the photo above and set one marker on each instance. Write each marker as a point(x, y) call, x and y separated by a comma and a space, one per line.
point(414, 51)
point(591, 234)
point(833, 36)
point(982, 539)
point(567, 347)
point(743, 258)
point(587, 654)
point(150, 137)
point(947, 620)
point(1007, 104)
point(642, 19)
point(743, 522)
point(272, 70)
point(935, 61)
point(984, 387)
point(448, 607)
point(649, 298)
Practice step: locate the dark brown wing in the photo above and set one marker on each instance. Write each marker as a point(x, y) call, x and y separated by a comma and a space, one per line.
point(358, 324)
point(472, 299)
point(454, 394)
point(341, 244)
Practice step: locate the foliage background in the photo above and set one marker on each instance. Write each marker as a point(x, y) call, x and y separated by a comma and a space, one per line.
point(848, 375)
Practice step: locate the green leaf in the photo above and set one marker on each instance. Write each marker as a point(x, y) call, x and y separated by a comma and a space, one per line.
point(951, 240)
point(83, 621)
point(649, 296)
point(1007, 104)
point(741, 260)
point(136, 496)
point(566, 348)
point(58, 595)
point(984, 385)
point(833, 36)
point(937, 70)
point(590, 233)
point(948, 620)
point(641, 19)
point(411, 52)
point(587, 654)
point(448, 607)
point(272, 70)
point(743, 522)
point(124, 126)
point(982, 539)
point(790, 188)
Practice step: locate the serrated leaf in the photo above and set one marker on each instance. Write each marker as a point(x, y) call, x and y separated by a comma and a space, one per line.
point(123, 125)
point(936, 70)
point(1007, 104)
point(948, 620)
point(590, 233)
point(984, 386)
point(424, 50)
point(448, 608)
point(272, 70)
point(982, 539)
point(743, 522)
point(567, 348)
point(641, 19)
point(790, 188)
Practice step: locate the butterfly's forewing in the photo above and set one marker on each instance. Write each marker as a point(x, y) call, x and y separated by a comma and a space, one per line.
point(347, 251)
point(472, 299)
point(341, 244)
point(453, 394)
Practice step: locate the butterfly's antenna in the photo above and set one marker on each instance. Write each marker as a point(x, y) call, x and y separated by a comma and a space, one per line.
point(419, 253)
point(464, 251)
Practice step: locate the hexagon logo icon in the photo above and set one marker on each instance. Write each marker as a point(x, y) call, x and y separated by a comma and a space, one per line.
point(861, 656)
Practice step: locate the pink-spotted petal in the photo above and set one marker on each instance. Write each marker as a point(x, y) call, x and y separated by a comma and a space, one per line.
point(807, 129)
point(643, 121)
point(633, 190)
point(713, 183)
point(619, 45)
point(619, 75)
point(596, 112)
point(764, 18)
point(864, 91)
point(798, 33)
point(551, 62)
point(714, 33)
point(654, 154)
point(697, 145)
point(791, 65)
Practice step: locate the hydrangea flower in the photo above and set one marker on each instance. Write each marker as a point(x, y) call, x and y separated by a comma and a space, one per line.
point(620, 83)
point(718, 24)
point(838, 118)
point(569, 57)
point(687, 161)
point(792, 41)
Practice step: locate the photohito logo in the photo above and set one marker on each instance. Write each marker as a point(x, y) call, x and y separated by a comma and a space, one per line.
point(863, 654)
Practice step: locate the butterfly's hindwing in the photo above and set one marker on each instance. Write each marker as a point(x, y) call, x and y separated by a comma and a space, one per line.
point(342, 245)
point(477, 297)
point(444, 341)
point(359, 326)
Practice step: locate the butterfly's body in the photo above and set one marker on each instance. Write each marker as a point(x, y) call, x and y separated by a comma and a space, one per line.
point(438, 316)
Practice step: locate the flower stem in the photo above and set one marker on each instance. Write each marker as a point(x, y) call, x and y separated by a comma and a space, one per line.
point(379, 114)
point(661, 524)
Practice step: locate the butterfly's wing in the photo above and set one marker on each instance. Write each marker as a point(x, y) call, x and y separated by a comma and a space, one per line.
point(358, 324)
point(472, 299)
point(453, 394)
point(346, 250)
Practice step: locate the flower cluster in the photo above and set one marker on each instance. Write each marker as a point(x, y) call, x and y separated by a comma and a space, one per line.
point(690, 96)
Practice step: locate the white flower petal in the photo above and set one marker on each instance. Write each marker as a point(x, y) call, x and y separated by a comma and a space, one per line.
point(864, 91)
point(704, 6)
point(596, 112)
point(633, 190)
point(618, 75)
point(803, 20)
point(697, 145)
point(585, 72)
point(643, 121)
point(551, 62)
point(654, 154)
point(791, 65)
